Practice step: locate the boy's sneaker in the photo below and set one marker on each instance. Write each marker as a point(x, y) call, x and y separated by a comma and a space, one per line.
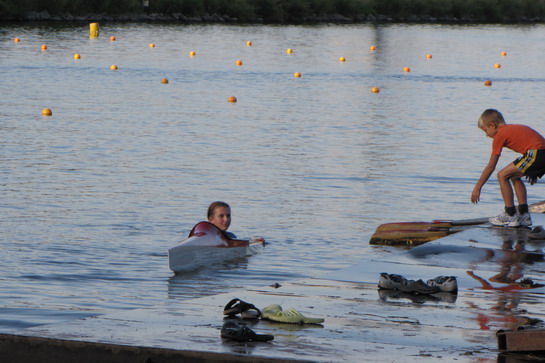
point(525, 220)
point(505, 220)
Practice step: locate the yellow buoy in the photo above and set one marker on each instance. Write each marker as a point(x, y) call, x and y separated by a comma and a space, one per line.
point(232, 99)
point(44, 46)
point(47, 112)
point(151, 45)
point(342, 59)
point(373, 48)
point(488, 82)
point(297, 75)
point(406, 69)
point(77, 56)
point(112, 38)
point(289, 51)
point(192, 54)
point(164, 81)
point(248, 43)
point(429, 56)
point(238, 62)
point(497, 65)
point(17, 40)
point(375, 90)
point(113, 67)
point(93, 30)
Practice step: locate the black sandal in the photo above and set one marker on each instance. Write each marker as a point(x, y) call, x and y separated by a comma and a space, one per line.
point(241, 333)
point(246, 310)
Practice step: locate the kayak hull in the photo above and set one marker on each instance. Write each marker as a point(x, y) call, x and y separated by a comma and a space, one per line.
point(208, 246)
point(188, 258)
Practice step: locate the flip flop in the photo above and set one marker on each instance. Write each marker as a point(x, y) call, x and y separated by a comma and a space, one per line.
point(246, 310)
point(241, 333)
point(274, 312)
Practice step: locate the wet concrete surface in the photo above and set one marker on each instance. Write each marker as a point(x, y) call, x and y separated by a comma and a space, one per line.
point(361, 322)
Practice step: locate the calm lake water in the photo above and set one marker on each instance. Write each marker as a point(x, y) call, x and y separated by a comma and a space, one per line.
point(92, 197)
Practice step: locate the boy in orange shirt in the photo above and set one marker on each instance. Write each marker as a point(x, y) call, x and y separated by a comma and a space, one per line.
point(531, 164)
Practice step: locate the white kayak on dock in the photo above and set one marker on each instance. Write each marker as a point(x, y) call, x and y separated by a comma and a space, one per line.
point(208, 245)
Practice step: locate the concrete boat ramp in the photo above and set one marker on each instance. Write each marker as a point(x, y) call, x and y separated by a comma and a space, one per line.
point(362, 323)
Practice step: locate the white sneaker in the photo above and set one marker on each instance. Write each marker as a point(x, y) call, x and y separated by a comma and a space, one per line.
point(525, 220)
point(505, 220)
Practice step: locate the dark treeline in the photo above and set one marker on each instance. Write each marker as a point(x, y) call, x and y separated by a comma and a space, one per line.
point(277, 11)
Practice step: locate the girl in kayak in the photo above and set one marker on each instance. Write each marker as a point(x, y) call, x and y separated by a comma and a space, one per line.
point(219, 214)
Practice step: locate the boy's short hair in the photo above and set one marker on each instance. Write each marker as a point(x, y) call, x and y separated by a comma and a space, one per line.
point(489, 117)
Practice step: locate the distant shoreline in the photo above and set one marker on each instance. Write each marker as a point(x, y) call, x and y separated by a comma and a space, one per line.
point(277, 11)
point(44, 16)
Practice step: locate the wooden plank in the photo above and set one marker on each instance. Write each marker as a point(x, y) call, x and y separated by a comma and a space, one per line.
point(436, 224)
point(407, 236)
point(412, 225)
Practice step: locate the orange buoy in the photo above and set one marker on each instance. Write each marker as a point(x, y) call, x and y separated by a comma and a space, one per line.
point(503, 54)
point(248, 43)
point(164, 81)
point(192, 54)
point(112, 38)
point(44, 46)
point(77, 56)
point(17, 40)
point(113, 67)
point(47, 112)
point(151, 45)
point(375, 90)
point(238, 62)
point(497, 65)
point(289, 51)
point(406, 69)
point(232, 99)
point(429, 56)
point(488, 82)
point(373, 48)
point(297, 75)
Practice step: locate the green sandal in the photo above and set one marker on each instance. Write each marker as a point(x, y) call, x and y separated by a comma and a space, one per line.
point(274, 312)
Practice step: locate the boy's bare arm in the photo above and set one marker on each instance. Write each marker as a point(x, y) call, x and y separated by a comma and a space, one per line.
point(487, 172)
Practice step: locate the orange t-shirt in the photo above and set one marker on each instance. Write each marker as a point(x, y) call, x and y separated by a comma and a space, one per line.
point(519, 138)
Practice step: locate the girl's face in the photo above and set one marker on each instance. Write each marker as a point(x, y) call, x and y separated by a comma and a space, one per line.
point(221, 218)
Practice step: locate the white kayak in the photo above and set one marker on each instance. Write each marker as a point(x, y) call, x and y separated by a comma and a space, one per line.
point(208, 245)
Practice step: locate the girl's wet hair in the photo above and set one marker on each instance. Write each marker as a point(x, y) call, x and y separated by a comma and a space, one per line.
point(490, 116)
point(215, 205)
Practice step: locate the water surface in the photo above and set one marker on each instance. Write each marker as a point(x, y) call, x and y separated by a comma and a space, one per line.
point(92, 197)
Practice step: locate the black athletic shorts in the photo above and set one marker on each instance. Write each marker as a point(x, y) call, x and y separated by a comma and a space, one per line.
point(532, 164)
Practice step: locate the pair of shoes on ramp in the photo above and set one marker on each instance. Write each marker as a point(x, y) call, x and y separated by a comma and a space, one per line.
point(242, 333)
point(432, 286)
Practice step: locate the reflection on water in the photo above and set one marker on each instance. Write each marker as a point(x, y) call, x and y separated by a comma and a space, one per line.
point(93, 197)
point(502, 310)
